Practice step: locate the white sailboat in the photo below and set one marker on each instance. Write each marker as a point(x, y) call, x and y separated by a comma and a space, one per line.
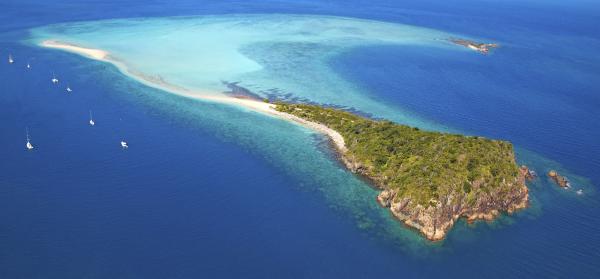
point(54, 79)
point(28, 145)
point(92, 123)
point(124, 144)
point(10, 59)
point(28, 66)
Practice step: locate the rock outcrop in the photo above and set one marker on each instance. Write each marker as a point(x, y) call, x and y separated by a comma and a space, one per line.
point(528, 173)
point(559, 179)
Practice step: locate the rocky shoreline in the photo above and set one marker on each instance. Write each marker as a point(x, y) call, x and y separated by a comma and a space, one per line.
point(434, 221)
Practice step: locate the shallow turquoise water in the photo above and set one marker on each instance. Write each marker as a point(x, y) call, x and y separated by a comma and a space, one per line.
point(286, 54)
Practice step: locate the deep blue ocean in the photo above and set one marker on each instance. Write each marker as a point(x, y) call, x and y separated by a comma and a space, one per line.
point(199, 197)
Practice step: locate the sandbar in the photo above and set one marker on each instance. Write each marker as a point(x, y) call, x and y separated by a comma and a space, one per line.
point(159, 83)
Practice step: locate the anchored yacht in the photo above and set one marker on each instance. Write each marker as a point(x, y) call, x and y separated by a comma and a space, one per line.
point(28, 145)
point(92, 123)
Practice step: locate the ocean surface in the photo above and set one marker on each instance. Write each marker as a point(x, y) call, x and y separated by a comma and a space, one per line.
point(211, 190)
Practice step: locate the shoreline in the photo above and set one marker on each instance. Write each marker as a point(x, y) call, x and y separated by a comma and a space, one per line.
point(159, 83)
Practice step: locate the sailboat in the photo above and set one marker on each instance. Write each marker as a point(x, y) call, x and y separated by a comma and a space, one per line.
point(123, 142)
point(28, 145)
point(54, 79)
point(10, 59)
point(92, 123)
point(69, 90)
point(28, 66)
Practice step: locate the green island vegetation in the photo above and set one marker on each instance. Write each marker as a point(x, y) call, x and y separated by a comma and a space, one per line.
point(422, 165)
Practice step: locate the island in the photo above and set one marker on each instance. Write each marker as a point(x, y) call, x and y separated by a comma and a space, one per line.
point(427, 179)
point(483, 48)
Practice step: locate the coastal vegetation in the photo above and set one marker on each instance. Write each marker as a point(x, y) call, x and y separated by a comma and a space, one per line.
point(426, 176)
